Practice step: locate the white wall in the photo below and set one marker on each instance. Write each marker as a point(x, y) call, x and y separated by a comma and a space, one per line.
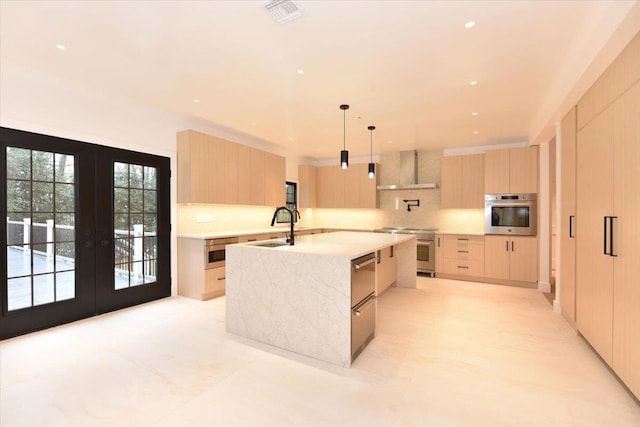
point(36, 102)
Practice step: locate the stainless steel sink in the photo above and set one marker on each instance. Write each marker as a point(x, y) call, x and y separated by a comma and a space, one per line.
point(270, 244)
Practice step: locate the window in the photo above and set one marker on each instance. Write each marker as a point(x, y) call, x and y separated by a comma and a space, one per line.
point(291, 198)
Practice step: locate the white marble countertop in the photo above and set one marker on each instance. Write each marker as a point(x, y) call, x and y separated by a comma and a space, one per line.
point(458, 233)
point(349, 244)
point(269, 230)
point(222, 234)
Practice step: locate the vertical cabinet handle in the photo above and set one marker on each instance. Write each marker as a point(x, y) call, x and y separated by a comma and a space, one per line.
point(506, 248)
point(605, 236)
point(438, 242)
point(571, 234)
point(611, 235)
point(512, 246)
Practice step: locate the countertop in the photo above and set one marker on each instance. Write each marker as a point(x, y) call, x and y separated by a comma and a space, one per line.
point(461, 234)
point(340, 243)
point(270, 230)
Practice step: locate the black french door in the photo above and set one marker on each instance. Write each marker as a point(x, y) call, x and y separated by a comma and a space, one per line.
point(87, 230)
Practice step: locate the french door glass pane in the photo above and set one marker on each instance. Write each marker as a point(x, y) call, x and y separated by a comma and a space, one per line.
point(134, 224)
point(40, 243)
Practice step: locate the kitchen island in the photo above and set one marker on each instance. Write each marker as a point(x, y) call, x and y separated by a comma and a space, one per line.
point(298, 298)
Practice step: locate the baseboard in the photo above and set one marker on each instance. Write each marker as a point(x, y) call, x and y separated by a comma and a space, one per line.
point(544, 287)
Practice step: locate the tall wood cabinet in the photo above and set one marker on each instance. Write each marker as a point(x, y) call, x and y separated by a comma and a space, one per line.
point(214, 170)
point(511, 258)
point(567, 220)
point(462, 181)
point(511, 170)
point(608, 213)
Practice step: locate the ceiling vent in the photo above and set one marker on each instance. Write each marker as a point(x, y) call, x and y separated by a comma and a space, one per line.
point(284, 10)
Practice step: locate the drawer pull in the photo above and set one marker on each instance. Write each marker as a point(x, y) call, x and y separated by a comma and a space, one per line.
point(464, 252)
point(463, 238)
point(221, 278)
point(251, 240)
point(462, 266)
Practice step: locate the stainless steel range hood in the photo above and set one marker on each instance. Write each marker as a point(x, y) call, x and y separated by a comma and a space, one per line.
point(408, 175)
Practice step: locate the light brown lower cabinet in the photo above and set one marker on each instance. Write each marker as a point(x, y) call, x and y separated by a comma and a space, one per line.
point(464, 255)
point(511, 258)
point(194, 281)
point(386, 269)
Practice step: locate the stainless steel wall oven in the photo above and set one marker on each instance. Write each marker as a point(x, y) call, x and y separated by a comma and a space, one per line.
point(513, 214)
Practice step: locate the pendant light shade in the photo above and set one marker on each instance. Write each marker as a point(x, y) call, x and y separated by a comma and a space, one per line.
point(372, 166)
point(344, 154)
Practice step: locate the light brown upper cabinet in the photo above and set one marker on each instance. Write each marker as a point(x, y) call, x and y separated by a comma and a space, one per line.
point(511, 170)
point(207, 169)
point(369, 187)
point(214, 170)
point(274, 180)
point(350, 188)
point(307, 186)
point(462, 181)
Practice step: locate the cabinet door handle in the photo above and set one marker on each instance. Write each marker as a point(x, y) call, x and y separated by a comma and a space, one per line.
point(571, 219)
point(605, 236)
point(462, 238)
point(464, 252)
point(611, 235)
point(438, 242)
point(462, 266)
point(512, 246)
point(251, 240)
point(506, 248)
point(221, 278)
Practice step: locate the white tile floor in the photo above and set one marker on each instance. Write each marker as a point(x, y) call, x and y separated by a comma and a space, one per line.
point(447, 354)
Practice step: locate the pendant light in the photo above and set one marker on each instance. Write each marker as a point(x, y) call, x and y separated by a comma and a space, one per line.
point(372, 167)
point(344, 154)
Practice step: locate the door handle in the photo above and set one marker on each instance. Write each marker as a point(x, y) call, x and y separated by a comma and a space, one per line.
point(611, 236)
point(512, 246)
point(438, 242)
point(605, 236)
point(571, 219)
point(506, 246)
point(359, 266)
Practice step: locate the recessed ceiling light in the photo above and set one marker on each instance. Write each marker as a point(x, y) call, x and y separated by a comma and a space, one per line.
point(473, 82)
point(470, 24)
point(475, 113)
point(317, 149)
point(253, 124)
point(291, 138)
point(61, 47)
point(390, 142)
point(300, 71)
point(475, 132)
point(196, 100)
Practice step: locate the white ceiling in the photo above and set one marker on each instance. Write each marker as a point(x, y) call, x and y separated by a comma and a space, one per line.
point(403, 66)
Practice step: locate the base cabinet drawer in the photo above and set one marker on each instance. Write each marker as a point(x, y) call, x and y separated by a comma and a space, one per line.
point(214, 283)
point(463, 255)
point(464, 267)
